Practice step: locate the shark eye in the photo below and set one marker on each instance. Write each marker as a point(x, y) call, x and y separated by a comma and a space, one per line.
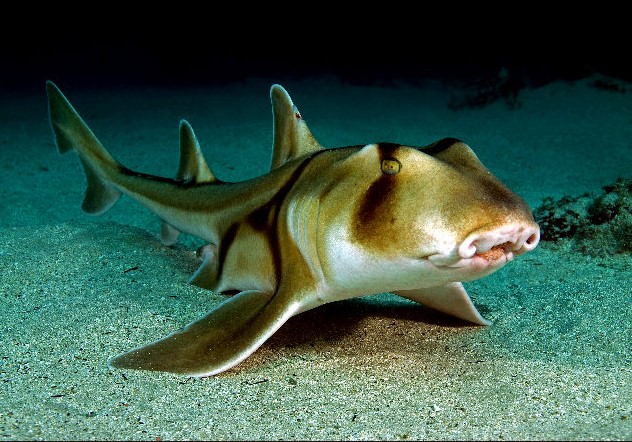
point(391, 166)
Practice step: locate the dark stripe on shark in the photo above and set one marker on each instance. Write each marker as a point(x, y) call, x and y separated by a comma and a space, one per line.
point(224, 245)
point(439, 146)
point(374, 211)
point(374, 215)
point(387, 149)
point(265, 219)
point(431, 149)
point(179, 183)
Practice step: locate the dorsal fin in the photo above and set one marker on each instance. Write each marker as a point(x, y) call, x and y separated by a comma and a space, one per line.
point(292, 137)
point(192, 164)
point(192, 168)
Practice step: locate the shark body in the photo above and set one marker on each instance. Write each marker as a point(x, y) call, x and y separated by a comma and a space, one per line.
point(324, 224)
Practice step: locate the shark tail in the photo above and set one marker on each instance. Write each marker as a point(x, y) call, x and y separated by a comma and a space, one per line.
point(72, 134)
point(192, 169)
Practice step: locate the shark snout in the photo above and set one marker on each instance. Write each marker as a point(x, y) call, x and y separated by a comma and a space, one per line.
point(493, 241)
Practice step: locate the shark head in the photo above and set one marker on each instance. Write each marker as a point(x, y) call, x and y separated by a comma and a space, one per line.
point(393, 217)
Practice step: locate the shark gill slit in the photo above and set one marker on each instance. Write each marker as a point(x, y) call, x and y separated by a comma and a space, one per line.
point(266, 217)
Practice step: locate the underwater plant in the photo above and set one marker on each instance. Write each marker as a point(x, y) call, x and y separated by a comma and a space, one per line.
point(597, 225)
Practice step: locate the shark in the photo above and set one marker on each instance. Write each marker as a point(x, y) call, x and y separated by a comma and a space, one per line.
point(322, 225)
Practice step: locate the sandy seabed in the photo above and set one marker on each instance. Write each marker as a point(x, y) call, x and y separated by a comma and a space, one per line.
point(77, 290)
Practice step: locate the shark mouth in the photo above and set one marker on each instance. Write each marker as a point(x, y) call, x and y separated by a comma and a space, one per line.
point(491, 245)
point(496, 252)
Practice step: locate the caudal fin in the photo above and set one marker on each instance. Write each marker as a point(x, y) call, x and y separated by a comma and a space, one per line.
point(72, 134)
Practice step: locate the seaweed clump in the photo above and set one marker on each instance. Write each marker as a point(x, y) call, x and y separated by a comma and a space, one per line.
point(597, 226)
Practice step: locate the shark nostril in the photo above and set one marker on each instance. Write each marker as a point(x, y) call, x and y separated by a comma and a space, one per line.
point(532, 241)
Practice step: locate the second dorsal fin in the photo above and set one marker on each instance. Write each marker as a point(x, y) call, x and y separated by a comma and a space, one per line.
point(192, 168)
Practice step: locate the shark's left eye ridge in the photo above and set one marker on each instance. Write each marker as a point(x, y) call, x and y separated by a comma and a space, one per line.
point(391, 166)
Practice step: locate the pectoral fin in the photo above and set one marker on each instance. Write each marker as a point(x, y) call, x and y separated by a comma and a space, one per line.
point(451, 299)
point(221, 339)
